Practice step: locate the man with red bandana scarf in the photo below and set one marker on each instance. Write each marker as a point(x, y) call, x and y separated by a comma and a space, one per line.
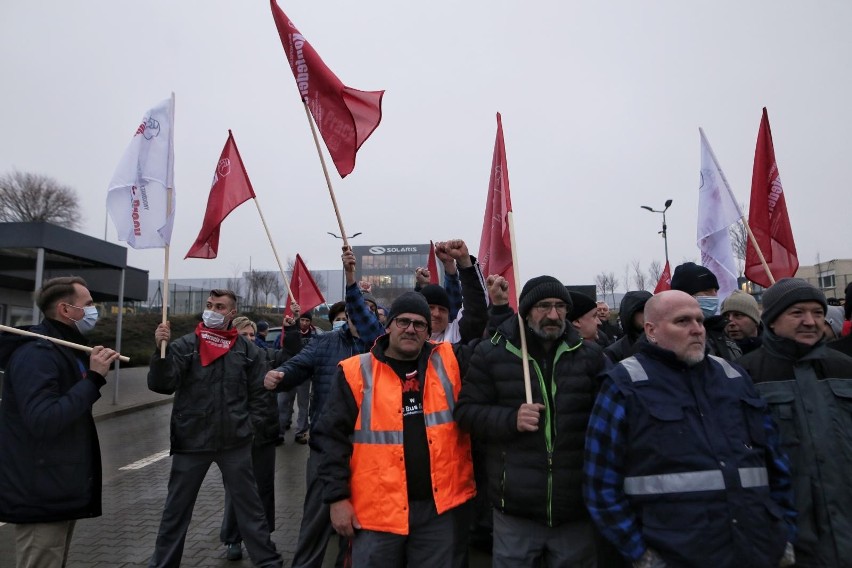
point(216, 376)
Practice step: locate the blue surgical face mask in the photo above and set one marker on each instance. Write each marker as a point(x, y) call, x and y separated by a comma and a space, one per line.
point(709, 305)
point(213, 320)
point(88, 321)
point(337, 324)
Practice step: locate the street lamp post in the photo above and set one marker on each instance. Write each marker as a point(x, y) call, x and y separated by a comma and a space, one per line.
point(343, 290)
point(667, 204)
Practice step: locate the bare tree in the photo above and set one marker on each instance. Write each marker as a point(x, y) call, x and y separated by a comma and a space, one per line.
point(638, 276)
point(607, 282)
point(655, 270)
point(739, 242)
point(627, 277)
point(28, 197)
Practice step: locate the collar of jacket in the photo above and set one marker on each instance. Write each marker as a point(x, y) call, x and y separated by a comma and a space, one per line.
point(669, 358)
point(381, 345)
point(791, 350)
point(509, 331)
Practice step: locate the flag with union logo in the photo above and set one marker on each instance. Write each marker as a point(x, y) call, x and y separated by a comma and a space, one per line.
point(230, 189)
point(346, 117)
point(141, 200)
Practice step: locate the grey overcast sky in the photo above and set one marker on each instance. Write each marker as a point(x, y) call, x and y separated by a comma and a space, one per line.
point(601, 105)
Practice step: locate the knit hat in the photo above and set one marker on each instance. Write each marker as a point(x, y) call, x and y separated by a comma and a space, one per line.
point(581, 305)
point(307, 315)
point(539, 288)
point(743, 303)
point(786, 292)
point(335, 309)
point(834, 318)
point(693, 278)
point(262, 325)
point(435, 295)
point(410, 303)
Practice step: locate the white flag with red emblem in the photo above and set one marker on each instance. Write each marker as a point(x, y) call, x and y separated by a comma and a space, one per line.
point(141, 197)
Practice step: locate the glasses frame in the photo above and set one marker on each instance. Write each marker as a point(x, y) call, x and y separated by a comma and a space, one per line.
point(419, 326)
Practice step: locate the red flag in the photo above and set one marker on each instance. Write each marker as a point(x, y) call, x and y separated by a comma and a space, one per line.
point(767, 216)
point(665, 281)
point(231, 188)
point(345, 116)
point(495, 245)
point(306, 291)
point(432, 264)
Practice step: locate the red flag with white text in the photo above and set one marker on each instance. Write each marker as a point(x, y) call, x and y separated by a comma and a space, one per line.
point(230, 189)
point(304, 289)
point(665, 281)
point(346, 117)
point(495, 244)
point(432, 264)
point(767, 215)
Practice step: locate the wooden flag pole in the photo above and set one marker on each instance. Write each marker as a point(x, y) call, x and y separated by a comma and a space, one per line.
point(759, 252)
point(736, 203)
point(166, 277)
point(62, 342)
point(521, 323)
point(169, 193)
point(274, 251)
point(327, 178)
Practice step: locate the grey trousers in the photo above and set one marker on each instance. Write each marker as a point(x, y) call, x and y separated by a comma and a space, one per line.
point(263, 464)
point(187, 474)
point(301, 395)
point(523, 542)
point(430, 542)
point(316, 526)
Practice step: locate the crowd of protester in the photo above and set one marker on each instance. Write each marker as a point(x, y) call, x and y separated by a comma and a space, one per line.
point(690, 430)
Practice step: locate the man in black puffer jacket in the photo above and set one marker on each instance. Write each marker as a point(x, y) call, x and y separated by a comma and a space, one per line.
point(535, 451)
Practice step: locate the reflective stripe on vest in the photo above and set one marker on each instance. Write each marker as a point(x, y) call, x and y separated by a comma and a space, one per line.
point(689, 481)
point(634, 368)
point(730, 372)
point(366, 435)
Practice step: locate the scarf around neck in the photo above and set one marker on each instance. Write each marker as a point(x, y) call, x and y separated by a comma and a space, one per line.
point(214, 343)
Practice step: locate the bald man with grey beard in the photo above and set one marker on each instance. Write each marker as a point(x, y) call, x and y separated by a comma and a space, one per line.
point(680, 448)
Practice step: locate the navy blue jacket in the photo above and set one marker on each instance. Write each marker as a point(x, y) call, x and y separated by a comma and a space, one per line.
point(50, 458)
point(695, 467)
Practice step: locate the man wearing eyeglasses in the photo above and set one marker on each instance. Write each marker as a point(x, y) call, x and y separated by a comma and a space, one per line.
point(395, 465)
point(535, 451)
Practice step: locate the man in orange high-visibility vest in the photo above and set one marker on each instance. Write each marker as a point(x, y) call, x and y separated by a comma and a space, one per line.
point(397, 469)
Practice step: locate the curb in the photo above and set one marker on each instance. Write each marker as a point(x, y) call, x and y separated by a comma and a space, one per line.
point(129, 409)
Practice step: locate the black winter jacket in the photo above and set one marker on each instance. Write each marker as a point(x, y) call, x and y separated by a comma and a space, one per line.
point(718, 342)
point(809, 391)
point(50, 458)
point(217, 407)
point(535, 475)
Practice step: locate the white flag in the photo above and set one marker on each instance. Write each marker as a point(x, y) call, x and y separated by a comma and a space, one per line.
point(138, 199)
point(717, 211)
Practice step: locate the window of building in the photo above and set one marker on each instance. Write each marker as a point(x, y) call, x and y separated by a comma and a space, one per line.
point(826, 280)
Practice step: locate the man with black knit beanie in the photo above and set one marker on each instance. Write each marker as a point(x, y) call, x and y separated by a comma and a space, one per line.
point(535, 450)
point(396, 469)
point(809, 390)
